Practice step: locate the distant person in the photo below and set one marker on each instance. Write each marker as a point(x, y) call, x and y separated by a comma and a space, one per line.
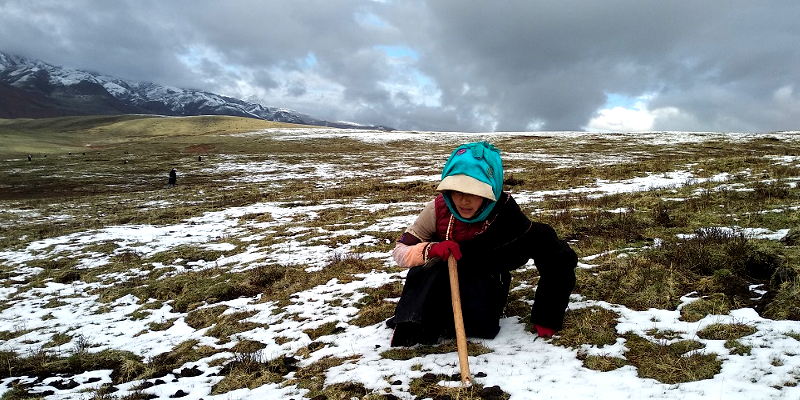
point(485, 230)
point(173, 178)
point(29, 157)
point(199, 158)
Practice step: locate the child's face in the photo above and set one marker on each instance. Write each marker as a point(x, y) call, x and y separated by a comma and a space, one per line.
point(466, 204)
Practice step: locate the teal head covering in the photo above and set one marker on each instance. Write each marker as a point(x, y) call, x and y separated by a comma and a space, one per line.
point(473, 168)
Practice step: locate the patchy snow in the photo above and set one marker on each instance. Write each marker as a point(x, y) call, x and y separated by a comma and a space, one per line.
point(603, 187)
point(750, 233)
point(524, 366)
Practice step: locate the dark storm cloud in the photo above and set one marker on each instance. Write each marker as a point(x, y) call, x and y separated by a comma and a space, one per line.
point(106, 37)
point(555, 61)
point(443, 65)
point(296, 88)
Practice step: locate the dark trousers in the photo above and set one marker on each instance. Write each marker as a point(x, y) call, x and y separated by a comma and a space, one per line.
point(425, 312)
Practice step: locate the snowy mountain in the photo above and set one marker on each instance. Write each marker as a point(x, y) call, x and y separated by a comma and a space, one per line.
point(35, 89)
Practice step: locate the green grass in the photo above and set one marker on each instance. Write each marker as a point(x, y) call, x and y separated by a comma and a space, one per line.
point(670, 363)
point(726, 331)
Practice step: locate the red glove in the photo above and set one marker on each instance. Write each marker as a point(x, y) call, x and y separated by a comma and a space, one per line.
point(444, 249)
point(544, 332)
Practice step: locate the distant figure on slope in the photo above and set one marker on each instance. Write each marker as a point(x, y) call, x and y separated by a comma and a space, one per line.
point(485, 230)
point(173, 178)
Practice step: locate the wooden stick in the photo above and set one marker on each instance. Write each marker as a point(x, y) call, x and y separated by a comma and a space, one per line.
point(461, 336)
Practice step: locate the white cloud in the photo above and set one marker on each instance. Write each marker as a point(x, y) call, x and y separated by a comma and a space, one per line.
point(641, 119)
point(621, 119)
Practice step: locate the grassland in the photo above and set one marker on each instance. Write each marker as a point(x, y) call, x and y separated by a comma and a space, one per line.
point(288, 189)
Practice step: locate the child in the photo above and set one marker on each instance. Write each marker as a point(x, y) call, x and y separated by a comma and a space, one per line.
point(485, 230)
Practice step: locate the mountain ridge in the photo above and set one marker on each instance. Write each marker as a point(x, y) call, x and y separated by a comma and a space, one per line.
point(36, 89)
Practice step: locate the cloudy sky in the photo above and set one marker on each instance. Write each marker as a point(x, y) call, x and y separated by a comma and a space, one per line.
point(510, 65)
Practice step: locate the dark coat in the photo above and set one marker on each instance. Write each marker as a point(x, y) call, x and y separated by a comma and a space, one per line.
point(424, 312)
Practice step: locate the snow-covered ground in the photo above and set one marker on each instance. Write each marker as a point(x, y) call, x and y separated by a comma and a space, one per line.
point(524, 366)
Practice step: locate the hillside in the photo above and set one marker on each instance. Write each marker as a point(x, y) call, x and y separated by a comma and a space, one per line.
point(267, 272)
point(79, 134)
point(36, 89)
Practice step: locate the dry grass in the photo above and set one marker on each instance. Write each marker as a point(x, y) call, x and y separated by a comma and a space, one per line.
point(602, 362)
point(249, 369)
point(231, 324)
point(204, 317)
point(312, 377)
point(86, 133)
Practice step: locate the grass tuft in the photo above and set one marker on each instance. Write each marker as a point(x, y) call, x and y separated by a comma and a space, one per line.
point(591, 325)
point(204, 317)
point(373, 308)
point(716, 304)
point(407, 353)
point(726, 331)
point(231, 324)
point(328, 328)
point(636, 282)
point(250, 370)
point(737, 348)
point(602, 363)
point(669, 363)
